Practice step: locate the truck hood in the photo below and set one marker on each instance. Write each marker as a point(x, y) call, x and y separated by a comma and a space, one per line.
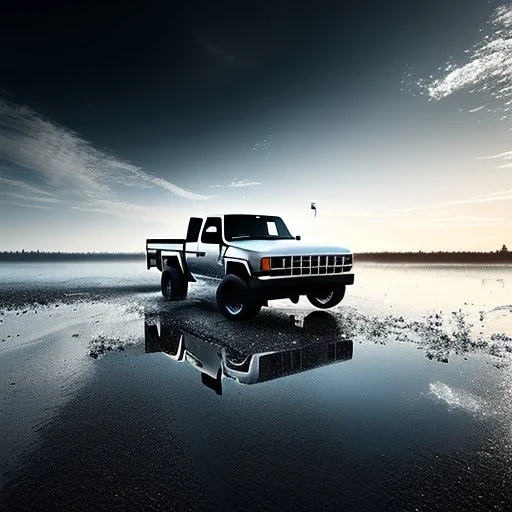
point(287, 247)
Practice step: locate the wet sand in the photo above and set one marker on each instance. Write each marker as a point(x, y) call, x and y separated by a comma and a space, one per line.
point(96, 414)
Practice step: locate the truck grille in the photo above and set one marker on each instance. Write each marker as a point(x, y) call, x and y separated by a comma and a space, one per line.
point(310, 265)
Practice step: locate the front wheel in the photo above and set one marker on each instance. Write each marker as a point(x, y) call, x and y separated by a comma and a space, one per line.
point(235, 299)
point(329, 299)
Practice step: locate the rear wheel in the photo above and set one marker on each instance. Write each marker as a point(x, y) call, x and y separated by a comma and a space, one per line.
point(328, 299)
point(235, 299)
point(174, 286)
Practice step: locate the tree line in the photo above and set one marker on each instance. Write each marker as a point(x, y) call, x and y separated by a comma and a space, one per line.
point(436, 257)
point(501, 256)
point(29, 256)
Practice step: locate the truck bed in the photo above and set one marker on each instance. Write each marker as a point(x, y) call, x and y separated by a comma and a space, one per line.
point(156, 246)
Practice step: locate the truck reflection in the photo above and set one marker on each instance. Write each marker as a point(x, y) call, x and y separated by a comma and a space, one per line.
point(320, 345)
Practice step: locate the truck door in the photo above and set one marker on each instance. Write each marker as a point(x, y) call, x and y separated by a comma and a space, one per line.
point(211, 244)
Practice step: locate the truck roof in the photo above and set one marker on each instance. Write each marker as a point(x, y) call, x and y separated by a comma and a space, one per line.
point(252, 214)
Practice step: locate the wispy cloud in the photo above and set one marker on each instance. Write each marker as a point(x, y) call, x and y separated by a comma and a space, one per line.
point(488, 67)
point(504, 195)
point(65, 166)
point(243, 183)
point(27, 205)
point(236, 182)
point(26, 192)
point(477, 109)
point(507, 155)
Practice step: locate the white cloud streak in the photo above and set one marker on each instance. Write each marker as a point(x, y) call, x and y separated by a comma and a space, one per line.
point(236, 183)
point(243, 183)
point(66, 167)
point(27, 205)
point(505, 195)
point(476, 109)
point(488, 70)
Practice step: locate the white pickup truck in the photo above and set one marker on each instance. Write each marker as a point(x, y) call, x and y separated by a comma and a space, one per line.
point(257, 260)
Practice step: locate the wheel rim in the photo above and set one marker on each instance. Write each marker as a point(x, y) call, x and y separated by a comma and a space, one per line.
point(168, 287)
point(233, 302)
point(325, 299)
point(234, 307)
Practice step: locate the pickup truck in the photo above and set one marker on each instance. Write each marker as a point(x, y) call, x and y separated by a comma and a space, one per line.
point(256, 260)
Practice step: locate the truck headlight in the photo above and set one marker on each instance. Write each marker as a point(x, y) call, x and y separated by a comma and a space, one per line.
point(265, 264)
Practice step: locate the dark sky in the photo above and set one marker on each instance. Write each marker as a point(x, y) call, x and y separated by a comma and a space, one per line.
point(185, 90)
point(138, 77)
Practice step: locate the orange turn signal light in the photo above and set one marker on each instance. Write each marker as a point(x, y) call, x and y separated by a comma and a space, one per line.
point(265, 264)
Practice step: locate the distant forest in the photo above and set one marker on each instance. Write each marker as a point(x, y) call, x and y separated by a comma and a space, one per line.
point(436, 257)
point(503, 256)
point(21, 256)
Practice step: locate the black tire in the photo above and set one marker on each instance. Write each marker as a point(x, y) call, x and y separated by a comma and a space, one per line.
point(174, 286)
point(329, 299)
point(235, 299)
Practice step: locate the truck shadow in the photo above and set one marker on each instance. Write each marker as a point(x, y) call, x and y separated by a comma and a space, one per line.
point(307, 343)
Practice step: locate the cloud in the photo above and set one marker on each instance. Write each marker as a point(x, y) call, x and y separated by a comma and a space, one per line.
point(65, 166)
point(21, 190)
point(29, 205)
point(243, 183)
point(504, 195)
point(488, 69)
point(477, 109)
point(236, 182)
point(507, 155)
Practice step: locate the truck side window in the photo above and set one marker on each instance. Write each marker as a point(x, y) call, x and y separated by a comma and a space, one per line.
point(194, 228)
point(212, 237)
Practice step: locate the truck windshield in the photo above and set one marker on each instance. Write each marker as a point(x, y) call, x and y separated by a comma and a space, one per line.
point(251, 227)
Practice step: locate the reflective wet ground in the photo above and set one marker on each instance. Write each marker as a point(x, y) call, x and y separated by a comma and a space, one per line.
point(124, 401)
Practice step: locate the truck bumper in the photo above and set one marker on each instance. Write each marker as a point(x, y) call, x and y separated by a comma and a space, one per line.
point(284, 287)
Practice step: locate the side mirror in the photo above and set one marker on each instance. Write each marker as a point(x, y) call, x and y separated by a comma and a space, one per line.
point(297, 237)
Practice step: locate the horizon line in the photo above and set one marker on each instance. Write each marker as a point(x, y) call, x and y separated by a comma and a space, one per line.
point(143, 253)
